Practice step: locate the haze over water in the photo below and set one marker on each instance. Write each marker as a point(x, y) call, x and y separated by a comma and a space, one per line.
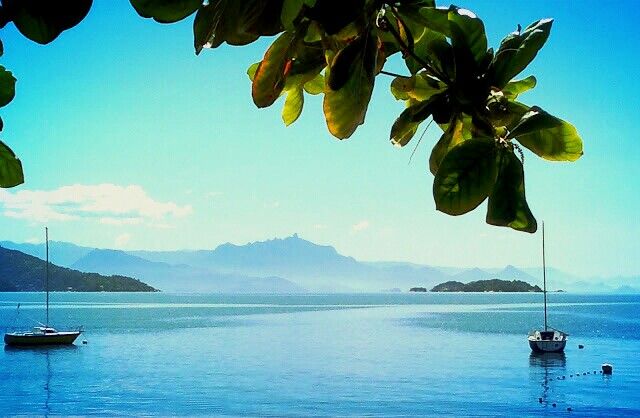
point(341, 354)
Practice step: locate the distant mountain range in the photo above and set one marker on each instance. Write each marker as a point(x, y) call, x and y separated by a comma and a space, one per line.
point(180, 277)
point(21, 272)
point(288, 265)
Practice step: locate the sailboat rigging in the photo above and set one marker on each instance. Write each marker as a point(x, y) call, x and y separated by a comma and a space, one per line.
point(43, 334)
point(549, 340)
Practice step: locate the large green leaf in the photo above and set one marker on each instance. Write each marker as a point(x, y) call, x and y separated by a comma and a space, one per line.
point(507, 202)
point(548, 136)
point(466, 176)
point(514, 88)
point(456, 132)
point(166, 11)
point(7, 86)
point(435, 18)
point(43, 20)
point(293, 105)
point(406, 125)
point(432, 47)
point(517, 50)
point(271, 73)
point(507, 114)
point(315, 85)
point(418, 87)
point(346, 107)
point(467, 35)
point(10, 168)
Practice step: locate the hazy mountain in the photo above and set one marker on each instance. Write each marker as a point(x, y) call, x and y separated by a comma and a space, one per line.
point(60, 253)
point(316, 267)
point(23, 272)
point(180, 278)
point(471, 275)
point(512, 273)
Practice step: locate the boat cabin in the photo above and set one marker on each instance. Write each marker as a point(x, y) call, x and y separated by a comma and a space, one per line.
point(547, 335)
point(44, 330)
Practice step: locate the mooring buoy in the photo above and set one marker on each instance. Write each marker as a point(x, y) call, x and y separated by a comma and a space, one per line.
point(580, 346)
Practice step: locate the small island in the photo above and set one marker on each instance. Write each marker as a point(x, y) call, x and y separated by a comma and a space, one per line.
point(418, 289)
point(493, 285)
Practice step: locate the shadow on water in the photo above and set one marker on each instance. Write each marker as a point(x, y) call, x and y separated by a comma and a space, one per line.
point(45, 352)
point(544, 368)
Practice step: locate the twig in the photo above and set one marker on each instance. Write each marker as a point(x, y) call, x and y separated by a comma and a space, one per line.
point(419, 140)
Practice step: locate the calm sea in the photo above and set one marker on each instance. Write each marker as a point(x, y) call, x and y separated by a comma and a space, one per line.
point(345, 354)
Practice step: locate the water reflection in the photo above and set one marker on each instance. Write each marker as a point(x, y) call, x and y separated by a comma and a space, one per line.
point(40, 355)
point(544, 369)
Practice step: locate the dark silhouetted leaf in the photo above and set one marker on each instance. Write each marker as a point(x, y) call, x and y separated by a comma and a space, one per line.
point(41, 20)
point(235, 22)
point(10, 168)
point(517, 50)
point(291, 10)
point(166, 11)
point(334, 15)
point(466, 176)
point(507, 202)
point(547, 136)
point(7, 86)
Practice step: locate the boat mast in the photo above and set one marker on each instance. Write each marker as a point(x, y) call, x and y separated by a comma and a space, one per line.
point(544, 280)
point(46, 233)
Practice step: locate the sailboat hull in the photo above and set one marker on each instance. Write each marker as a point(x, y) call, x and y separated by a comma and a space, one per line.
point(31, 339)
point(547, 346)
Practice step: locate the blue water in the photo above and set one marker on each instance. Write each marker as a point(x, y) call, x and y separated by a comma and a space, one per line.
point(348, 354)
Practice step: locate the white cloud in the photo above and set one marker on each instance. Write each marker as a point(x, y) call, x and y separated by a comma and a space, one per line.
point(122, 240)
point(106, 203)
point(360, 226)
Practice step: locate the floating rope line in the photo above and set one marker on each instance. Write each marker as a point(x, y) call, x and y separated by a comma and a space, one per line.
point(607, 370)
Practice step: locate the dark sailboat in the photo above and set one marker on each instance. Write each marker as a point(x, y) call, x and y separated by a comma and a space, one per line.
point(43, 334)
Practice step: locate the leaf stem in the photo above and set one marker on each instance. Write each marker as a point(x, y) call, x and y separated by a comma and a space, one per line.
point(426, 65)
point(394, 74)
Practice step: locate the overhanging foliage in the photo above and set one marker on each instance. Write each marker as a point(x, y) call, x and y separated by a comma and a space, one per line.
point(338, 48)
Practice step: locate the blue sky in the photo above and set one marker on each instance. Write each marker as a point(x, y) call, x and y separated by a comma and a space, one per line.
point(129, 140)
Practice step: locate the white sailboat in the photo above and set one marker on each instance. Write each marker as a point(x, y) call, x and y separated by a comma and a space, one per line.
point(43, 334)
point(549, 340)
